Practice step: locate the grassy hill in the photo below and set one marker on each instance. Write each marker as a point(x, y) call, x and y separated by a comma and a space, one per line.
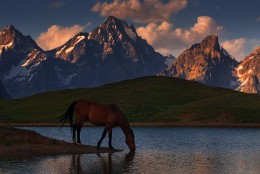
point(146, 99)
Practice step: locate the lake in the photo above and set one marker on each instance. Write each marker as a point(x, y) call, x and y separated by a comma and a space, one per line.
point(159, 150)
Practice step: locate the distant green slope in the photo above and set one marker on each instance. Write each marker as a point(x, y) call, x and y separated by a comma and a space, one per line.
point(146, 99)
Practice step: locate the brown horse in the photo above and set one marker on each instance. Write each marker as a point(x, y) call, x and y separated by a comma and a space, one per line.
point(109, 116)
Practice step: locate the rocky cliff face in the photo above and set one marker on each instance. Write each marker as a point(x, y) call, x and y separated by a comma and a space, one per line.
point(205, 62)
point(248, 73)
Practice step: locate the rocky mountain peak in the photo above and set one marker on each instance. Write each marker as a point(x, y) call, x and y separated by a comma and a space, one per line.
point(211, 42)
point(10, 37)
point(10, 27)
point(205, 62)
point(111, 19)
point(113, 30)
point(7, 34)
point(248, 73)
point(72, 49)
point(257, 50)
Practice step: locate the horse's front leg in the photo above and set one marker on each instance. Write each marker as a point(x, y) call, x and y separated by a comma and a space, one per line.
point(110, 138)
point(102, 137)
point(78, 133)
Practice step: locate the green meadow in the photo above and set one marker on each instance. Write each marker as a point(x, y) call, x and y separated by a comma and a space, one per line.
point(146, 99)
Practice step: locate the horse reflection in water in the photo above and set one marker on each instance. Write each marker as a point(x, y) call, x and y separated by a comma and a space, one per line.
point(105, 163)
point(108, 116)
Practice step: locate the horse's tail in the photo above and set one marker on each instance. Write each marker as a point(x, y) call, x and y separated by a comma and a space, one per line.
point(68, 115)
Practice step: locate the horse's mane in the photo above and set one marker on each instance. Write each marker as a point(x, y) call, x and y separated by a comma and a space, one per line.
point(114, 106)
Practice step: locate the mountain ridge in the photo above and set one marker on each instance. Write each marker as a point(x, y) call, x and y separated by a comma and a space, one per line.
point(111, 52)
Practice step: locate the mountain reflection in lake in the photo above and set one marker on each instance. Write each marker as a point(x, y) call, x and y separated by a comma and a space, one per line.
point(159, 150)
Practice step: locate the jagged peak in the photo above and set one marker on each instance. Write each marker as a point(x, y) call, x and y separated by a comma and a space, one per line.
point(111, 19)
point(11, 30)
point(10, 27)
point(11, 37)
point(115, 21)
point(257, 49)
point(113, 29)
point(85, 34)
point(211, 41)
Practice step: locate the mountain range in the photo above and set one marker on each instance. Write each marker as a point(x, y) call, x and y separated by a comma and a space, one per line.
point(113, 52)
point(210, 64)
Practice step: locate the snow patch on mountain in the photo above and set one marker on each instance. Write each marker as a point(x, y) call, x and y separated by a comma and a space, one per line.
point(79, 38)
point(242, 85)
point(9, 45)
point(238, 73)
point(251, 57)
point(68, 79)
point(30, 60)
point(69, 49)
point(60, 51)
point(2, 32)
point(21, 71)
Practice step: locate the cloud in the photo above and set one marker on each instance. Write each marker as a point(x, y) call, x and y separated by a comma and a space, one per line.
point(57, 35)
point(258, 19)
point(56, 4)
point(167, 40)
point(235, 47)
point(140, 11)
point(241, 47)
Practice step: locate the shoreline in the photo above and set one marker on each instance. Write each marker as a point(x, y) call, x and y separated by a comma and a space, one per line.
point(141, 124)
point(18, 143)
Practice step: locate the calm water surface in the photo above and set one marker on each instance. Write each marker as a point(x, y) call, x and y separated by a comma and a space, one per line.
point(159, 150)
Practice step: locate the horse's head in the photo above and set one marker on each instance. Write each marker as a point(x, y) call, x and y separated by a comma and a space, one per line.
point(130, 141)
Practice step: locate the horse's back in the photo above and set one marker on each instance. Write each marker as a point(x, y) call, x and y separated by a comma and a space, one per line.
point(97, 113)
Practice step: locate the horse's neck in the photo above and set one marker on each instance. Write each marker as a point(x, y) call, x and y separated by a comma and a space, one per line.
point(125, 126)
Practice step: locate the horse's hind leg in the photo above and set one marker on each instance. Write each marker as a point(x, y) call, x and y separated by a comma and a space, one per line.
point(74, 127)
point(110, 138)
point(101, 139)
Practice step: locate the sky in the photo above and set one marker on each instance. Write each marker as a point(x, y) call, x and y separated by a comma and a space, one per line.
point(170, 26)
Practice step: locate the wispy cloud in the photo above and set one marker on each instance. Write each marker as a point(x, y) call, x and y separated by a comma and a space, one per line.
point(240, 47)
point(258, 19)
point(56, 4)
point(145, 11)
point(57, 35)
point(167, 40)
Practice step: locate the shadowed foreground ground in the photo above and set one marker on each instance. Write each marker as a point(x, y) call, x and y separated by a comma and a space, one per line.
point(16, 143)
